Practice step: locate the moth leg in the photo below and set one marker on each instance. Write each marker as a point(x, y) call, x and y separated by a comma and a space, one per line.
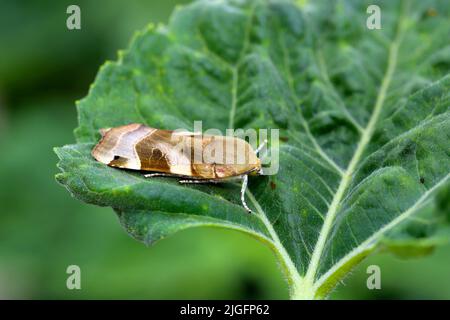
point(158, 174)
point(261, 146)
point(223, 180)
point(243, 188)
point(199, 181)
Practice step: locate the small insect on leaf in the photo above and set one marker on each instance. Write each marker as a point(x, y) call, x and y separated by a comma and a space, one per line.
point(193, 157)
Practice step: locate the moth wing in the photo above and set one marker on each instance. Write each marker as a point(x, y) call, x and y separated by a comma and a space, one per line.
point(116, 148)
point(164, 151)
point(223, 156)
point(200, 168)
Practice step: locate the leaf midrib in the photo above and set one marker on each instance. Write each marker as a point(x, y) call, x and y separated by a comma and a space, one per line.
point(361, 147)
point(371, 241)
point(366, 134)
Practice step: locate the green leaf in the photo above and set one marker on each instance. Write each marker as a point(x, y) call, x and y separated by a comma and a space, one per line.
point(363, 115)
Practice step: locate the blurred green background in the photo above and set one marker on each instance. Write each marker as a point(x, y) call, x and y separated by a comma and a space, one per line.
point(44, 68)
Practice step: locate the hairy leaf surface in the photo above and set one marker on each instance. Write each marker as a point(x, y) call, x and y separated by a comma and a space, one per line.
point(363, 115)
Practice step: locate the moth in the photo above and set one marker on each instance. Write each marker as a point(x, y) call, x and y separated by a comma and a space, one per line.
point(191, 157)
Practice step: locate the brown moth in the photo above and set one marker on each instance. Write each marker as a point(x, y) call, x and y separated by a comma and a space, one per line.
point(194, 157)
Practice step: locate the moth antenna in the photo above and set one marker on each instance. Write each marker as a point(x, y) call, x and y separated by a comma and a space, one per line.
point(244, 187)
point(261, 146)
